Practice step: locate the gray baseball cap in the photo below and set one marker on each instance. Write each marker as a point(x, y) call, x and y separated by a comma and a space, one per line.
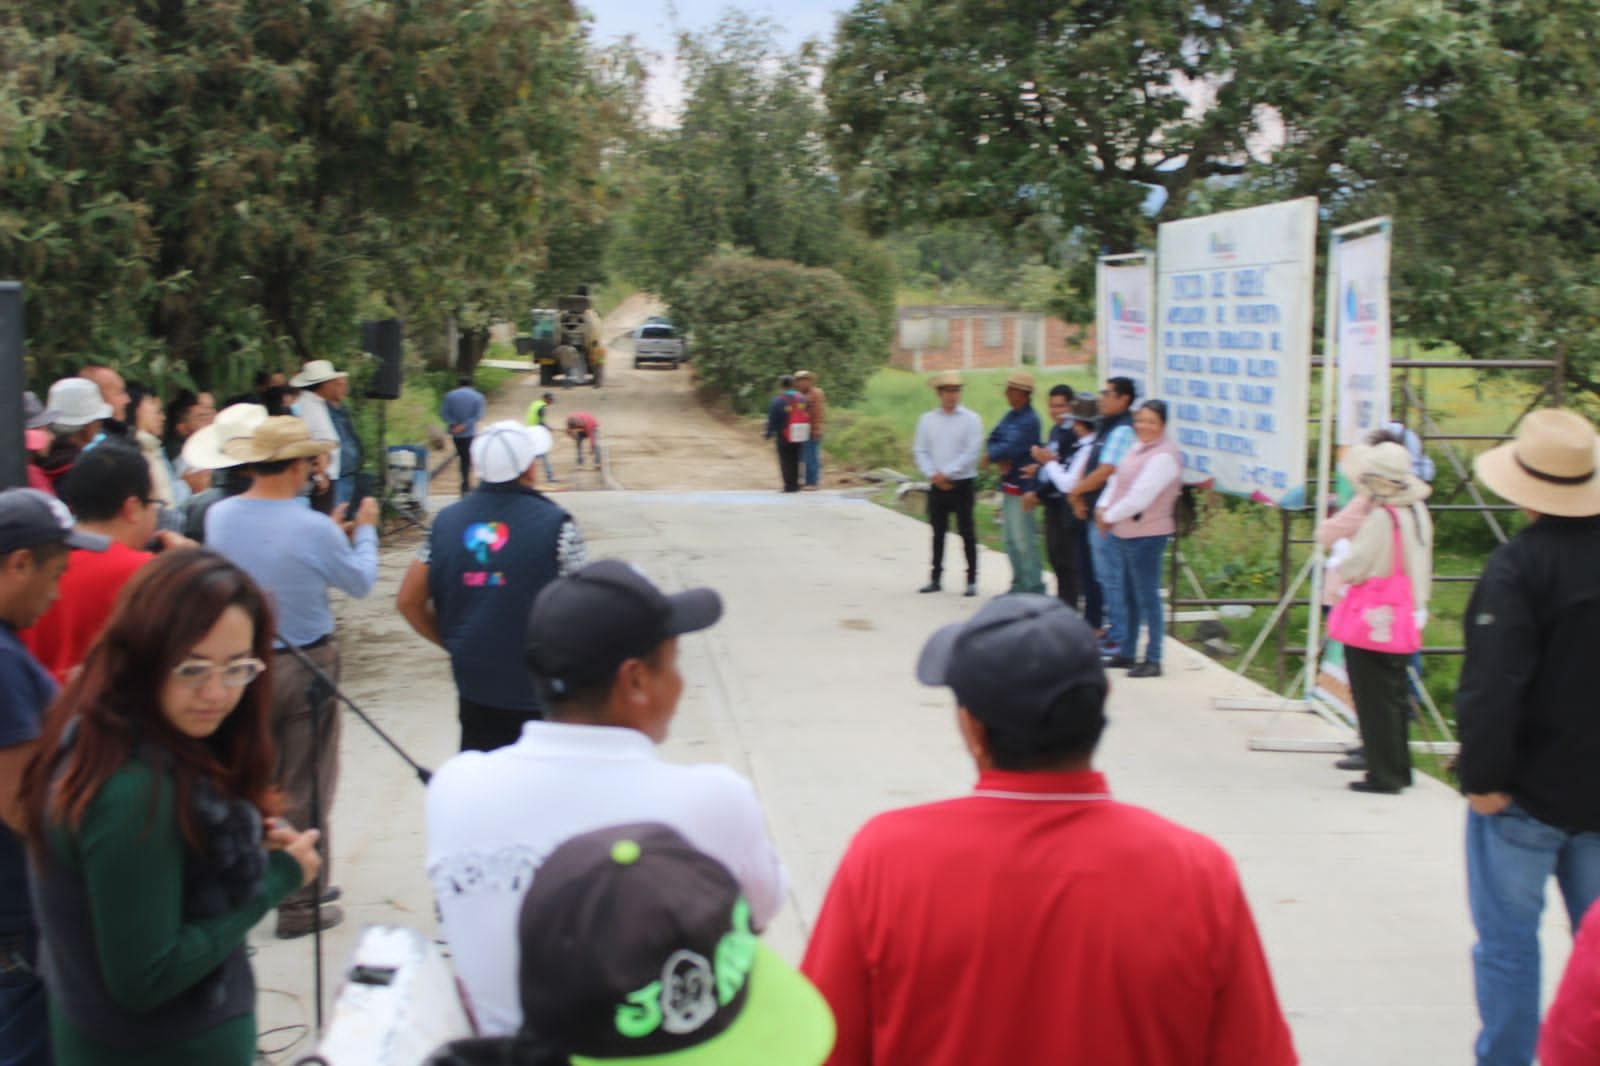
point(1010, 662)
point(31, 519)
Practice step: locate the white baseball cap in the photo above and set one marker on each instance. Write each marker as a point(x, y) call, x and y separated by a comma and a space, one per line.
point(503, 451)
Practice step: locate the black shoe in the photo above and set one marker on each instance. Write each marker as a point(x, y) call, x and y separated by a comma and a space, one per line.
point(1366, 785)
point(972, 589)
point(296, 922)
point(1146, 670)
point(1117, 662)
point(1354, 761)
point(333, 894)
point(932, 586)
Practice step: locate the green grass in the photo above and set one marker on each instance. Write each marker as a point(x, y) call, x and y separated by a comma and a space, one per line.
point(877, 430)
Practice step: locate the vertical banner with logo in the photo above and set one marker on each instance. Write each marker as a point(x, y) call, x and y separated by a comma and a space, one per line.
point(1233, 347)
point(1125, 289)
point(1360, 276)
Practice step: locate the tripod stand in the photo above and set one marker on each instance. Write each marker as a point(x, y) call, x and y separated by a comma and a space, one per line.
point(321, 688)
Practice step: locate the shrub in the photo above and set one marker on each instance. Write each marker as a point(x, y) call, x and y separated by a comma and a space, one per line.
point(752, 320)
point(867, 442)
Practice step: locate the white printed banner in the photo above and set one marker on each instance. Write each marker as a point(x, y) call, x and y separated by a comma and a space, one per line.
point(1233, 349)
point(1126, 299)
point(1360, 275)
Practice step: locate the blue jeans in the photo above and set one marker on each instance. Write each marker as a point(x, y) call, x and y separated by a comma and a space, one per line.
point(1022, 546)
point(1107, 553)
point(24, 1016)
point(549, 471)
point(344, 489)
point(1510, 856)
point(1141, 586)
point(811, 456)
point(1088, 580)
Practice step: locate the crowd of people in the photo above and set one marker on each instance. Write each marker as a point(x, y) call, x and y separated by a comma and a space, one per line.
point(1107, 481)
point(169, 760)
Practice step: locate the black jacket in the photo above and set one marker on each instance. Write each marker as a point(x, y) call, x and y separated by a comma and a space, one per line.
point(1528, 706)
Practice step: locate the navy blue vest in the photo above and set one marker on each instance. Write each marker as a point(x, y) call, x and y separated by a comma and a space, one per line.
point(489, 556)
point(1103, 434)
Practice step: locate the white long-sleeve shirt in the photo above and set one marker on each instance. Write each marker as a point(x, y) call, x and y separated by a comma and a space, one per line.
point(1066, 478)
point(313, 410)
point(948, 443)
point(1158, 473)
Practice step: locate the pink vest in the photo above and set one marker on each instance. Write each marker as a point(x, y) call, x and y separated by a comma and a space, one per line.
point(1157, 519)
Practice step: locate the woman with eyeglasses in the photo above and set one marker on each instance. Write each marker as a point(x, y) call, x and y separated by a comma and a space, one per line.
point(1139, 510)
point(152, 844)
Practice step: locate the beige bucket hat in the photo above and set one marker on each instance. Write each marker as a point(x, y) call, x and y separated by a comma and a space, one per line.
point(1553, 467)
point(203, 449)
point(950, 379)
point(1020, 379)
point(1384, 471)
point(275, 440)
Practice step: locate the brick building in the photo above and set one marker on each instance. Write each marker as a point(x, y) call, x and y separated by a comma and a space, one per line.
point(986, 337)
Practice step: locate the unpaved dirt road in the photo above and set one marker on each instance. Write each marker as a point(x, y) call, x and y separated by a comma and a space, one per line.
point(653, 428)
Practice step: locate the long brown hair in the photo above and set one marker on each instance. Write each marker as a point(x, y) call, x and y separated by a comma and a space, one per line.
point(167, 608)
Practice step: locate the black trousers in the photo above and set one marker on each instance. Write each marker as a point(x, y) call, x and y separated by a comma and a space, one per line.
point(464, 455)
point(1378, 683)
point(485, 728)
point(957, 500)
point(1094, 603)
point(789, 464)
point(1061, 548)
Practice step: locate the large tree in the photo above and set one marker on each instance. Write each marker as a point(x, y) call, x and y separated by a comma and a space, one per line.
point(746, 169)
point(1027, 111)
point(195, 189)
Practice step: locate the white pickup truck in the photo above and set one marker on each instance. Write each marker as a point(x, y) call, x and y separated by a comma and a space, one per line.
point(657, 341)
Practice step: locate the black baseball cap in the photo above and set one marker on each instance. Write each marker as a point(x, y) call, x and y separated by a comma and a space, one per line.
point(1010, 662)
point(585, 625)
point(637, 948)
point(32, 519)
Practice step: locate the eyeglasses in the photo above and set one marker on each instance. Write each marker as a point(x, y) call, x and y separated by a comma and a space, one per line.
point(157, 504)
point(236, 674)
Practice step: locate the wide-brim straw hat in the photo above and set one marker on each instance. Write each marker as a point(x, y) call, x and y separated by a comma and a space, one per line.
point(277, 440)
point(1020, 379)
point(1553, 467)
point(950, 379)
point(1384, 471)
point(315, 373)
point(203, 449)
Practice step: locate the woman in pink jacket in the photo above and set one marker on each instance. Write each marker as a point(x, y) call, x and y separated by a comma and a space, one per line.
point(1138, 509)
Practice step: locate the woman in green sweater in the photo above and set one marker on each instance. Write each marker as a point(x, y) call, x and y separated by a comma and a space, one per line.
point(153, 846)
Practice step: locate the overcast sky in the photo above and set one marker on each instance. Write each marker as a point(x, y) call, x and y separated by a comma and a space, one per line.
point(655, 22)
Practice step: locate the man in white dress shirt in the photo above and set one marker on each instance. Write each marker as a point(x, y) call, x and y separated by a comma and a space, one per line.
point(603, 647)
point(946, 451)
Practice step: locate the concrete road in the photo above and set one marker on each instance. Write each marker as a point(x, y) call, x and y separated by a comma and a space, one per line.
point(807, 687)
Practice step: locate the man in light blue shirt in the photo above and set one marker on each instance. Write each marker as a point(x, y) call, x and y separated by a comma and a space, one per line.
point(296, 555)
point(946, 450)
point(463, 407)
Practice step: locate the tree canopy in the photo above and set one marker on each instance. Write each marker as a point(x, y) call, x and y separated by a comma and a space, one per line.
point(194, 190)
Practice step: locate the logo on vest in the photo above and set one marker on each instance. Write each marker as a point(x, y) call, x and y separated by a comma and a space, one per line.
point(483, 539)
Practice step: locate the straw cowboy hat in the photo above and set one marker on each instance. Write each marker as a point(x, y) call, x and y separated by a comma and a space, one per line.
point(203, 449)
point(315, 373)
point(1020, 379)
point(1384, 471)
point(948, 380)
point(1550, 468)
point(275, 440)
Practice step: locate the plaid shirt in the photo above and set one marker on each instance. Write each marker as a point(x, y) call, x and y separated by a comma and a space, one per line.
point(1117, 446)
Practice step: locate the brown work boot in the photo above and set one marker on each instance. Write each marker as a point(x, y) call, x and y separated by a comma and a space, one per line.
point(300, 920)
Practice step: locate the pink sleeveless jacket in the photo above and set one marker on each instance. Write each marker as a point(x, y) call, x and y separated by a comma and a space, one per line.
point(1156, 519)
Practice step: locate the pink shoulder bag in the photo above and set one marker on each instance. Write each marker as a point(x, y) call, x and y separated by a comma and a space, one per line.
point(1379, 614)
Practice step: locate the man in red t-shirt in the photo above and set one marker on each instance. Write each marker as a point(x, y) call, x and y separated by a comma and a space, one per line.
point(1037, 920)
point(108, 491)
point(583, 426)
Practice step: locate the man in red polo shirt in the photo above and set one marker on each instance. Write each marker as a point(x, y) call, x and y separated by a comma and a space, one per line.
point(1037, 920)
point(108, 491)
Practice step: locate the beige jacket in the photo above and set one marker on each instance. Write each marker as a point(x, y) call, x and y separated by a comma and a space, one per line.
point(1372, 548)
